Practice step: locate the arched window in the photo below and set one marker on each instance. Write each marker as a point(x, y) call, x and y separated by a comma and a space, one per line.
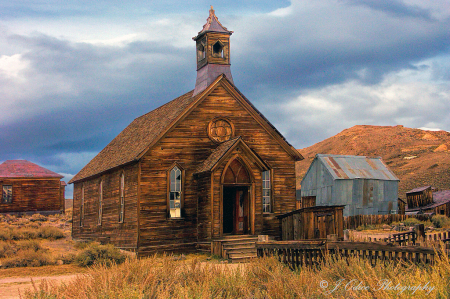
point(122, 198)
point(267, 192)
point(100, 202)
point(236, 174)
point(175, 192)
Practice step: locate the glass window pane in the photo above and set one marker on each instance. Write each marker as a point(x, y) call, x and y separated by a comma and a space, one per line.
point(7, 194)
point(266, 191)
point(175, 179)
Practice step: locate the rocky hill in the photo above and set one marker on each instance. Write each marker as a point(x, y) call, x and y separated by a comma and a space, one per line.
point(417, 157)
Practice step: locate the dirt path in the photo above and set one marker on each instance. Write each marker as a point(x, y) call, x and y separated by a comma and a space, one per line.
point(11, 287)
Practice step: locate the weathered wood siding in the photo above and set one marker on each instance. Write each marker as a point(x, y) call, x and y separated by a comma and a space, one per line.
point(123, 235)
point(419, 199)
point(62, 196)
point(188, 144)
point(314, 222)
point(32, 195)
point(204, 207)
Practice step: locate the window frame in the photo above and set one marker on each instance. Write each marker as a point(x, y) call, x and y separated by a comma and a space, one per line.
point(270, 188)
point(183, 177)
point(100, 202)
point(10, 197)
point(82, 207)
point(122, 198)
point(218, 49)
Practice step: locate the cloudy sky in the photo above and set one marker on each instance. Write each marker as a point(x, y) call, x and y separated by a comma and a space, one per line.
point(74, 73)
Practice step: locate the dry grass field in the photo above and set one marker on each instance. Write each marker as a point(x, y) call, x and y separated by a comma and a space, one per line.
point(167, 277)
point(59, 274)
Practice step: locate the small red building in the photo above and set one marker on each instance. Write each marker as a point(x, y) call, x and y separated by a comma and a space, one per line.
point(29, 188)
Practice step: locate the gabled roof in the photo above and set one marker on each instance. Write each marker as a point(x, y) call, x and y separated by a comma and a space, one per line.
point(136, 139)
point(356, 167)
point(215, 156)
point(418, 189)
point(212, 25)
point(222, 151)
point(25, 169)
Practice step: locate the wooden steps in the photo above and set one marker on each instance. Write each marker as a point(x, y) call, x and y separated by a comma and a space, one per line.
point(236, 248)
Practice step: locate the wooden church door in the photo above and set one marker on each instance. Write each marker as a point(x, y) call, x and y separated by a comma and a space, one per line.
point(235, 200)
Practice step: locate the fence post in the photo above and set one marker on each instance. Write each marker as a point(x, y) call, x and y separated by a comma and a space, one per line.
point(420, 233)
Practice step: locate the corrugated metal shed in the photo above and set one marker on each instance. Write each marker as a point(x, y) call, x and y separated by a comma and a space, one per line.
point(364, 185)
point(357, 167)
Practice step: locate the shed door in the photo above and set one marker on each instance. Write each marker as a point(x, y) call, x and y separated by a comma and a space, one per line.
point(324, 226)
point(320, 231)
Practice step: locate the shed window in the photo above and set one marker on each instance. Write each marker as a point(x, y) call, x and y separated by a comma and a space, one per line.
point(82, 206)
point(7, 194)
point(100, 202)
point(122, 197)
point(175, 181)
point(267, 207)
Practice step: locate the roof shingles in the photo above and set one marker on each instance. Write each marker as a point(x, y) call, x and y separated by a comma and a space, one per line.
point(25, 169)
point(215, 156)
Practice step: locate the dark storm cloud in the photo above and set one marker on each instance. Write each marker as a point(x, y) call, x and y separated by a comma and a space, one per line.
point(109, 87)
point(313, 68)
point(343, 43)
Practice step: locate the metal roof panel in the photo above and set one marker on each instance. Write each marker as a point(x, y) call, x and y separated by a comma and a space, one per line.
point(356, 167)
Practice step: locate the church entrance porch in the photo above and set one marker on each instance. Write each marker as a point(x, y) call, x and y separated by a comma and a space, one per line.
point(235, 210)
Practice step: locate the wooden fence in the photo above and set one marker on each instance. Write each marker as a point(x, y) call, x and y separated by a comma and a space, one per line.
point(408, 238)
point(310, 253)
point(352, 222)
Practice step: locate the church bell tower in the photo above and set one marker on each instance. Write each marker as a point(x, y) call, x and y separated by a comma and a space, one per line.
point(213, 52)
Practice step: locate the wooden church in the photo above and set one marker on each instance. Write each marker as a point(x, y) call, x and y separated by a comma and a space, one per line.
point(203, 166)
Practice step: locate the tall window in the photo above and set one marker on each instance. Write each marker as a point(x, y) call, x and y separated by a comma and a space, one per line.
point(100, 202)
point(266, 192)
point(82, 206)
point(122, 197)
point(7, 194)
point(175, 192)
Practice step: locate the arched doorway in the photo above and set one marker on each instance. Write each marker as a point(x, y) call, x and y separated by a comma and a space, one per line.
point(236, 182)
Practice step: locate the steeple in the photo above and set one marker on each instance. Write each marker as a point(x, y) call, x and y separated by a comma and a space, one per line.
point(213, 52)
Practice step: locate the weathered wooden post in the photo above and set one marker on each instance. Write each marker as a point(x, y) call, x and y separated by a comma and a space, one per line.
point(420, 233)
point(346, 235)
point(332, 237)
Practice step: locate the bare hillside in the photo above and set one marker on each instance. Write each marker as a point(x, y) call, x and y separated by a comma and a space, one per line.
point(417, 157)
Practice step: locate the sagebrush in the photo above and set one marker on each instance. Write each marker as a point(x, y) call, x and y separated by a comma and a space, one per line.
point(94, 253)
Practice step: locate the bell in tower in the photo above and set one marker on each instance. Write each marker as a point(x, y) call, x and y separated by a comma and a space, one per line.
point(213, 52)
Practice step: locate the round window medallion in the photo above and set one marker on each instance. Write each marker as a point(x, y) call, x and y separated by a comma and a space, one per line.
point(220, 130)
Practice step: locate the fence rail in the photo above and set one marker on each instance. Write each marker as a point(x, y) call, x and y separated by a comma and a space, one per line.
point(309, 253)
point(403, 238)
point(352, 222)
